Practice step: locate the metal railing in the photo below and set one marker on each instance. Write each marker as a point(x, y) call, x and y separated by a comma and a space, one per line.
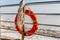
point(49, 33)
point(52, 34)
point(54, 14)
point(34, 3)
point(32, 23)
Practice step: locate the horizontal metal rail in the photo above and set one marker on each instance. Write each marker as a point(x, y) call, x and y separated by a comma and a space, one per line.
point(47, 14)
point(35, 14)
point(46, 2)
point(9, 38)
point(13, 28)
point(46, 24)
point(8, 13)
point(9, 5)
point(34, 3)
point(49, 33)
point(32, 23)
point(2, 37)
point(7, 21)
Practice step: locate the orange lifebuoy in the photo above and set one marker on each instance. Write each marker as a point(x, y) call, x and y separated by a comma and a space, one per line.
point(35, 23)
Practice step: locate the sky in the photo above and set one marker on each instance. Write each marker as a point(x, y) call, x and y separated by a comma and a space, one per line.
point(5, 2)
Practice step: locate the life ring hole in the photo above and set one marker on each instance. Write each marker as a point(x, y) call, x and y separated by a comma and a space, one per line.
point(28, 23)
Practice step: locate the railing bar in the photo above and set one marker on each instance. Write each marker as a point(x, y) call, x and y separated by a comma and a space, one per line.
point(32, 23)
point(46, 2)
point(8, 39)
point(35, 13)
point(42, 34)
point(46, 24)
point(33, 3)
point(9, 5)
point(47, 13)
point(8, 13)
point(9, 27)
point(48, 36)
point(7, 21)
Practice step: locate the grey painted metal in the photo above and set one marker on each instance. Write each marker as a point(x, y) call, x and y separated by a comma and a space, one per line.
point(34, 3)
point(32, 23)
point(8, 13)
point(9, 5)
point(46, 2)
point(48, 33)
point(35, 13)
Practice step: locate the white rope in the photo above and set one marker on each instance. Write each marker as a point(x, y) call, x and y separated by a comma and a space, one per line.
point(21, 13)
point(21, 17)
